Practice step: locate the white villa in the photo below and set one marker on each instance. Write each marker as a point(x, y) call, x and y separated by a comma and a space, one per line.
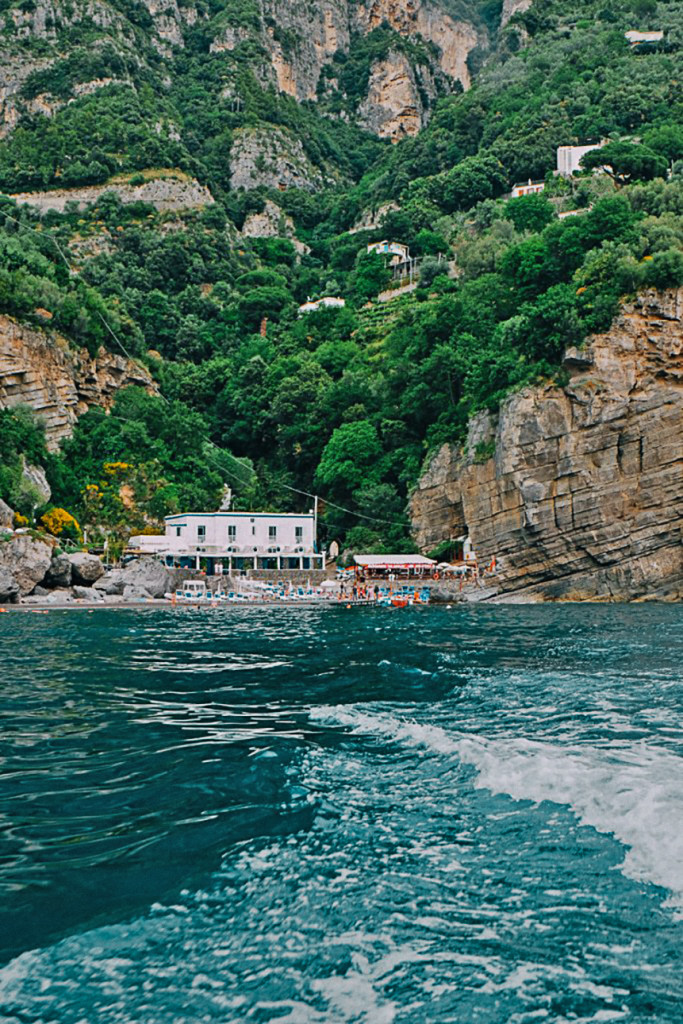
point(327, 302)
point(528, 188)
point(397, 250)
point(236, 540)
point(635, 38)
point(569, 158)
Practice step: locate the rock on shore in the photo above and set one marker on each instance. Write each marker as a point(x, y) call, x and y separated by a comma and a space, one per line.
point(26, 559)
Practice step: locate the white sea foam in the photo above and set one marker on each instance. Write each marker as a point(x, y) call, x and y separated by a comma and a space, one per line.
point(632, 791)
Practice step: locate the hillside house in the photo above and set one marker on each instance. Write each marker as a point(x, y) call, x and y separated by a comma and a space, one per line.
point(528, 188)
point(569, 158)
point(327, 302)
point(400, 253)
point(635, 38)
point(236, 540)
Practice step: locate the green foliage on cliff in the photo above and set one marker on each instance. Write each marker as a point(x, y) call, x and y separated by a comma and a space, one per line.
point(346, 402)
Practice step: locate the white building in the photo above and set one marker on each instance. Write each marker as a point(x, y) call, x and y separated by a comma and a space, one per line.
point(399, 251)
point(635, 38)
point(569, 158)
point(236, 540)
point(528, 188)
point(327, 302)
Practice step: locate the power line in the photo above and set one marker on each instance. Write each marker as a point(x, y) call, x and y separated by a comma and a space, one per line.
point(361, 515)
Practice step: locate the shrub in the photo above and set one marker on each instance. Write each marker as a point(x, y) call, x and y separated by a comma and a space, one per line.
point(61, 523)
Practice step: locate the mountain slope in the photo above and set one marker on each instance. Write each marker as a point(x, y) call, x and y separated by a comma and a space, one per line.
point(275, 125)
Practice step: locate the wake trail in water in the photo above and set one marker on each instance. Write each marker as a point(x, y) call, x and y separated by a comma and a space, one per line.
point(631, 791)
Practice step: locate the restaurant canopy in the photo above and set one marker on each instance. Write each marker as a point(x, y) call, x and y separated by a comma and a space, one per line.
point(394, 562)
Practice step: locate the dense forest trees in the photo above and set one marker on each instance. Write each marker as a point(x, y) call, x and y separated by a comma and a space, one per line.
point(346, 401)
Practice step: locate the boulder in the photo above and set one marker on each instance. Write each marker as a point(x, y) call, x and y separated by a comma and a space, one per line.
point(85, 568)
point(86, 594)
point(59, 573)
point(111, 584)
point(27, 559)
point(6, 516)
point(132, 592)
point(149, 574)
point(57, 597)
point(9, 588)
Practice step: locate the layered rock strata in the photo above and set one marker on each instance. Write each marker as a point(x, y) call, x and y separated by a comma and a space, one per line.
point(169, 193)
point(59, 383)
point(582, 498)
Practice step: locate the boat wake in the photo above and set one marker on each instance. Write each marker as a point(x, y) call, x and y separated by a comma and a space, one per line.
point(631, 791)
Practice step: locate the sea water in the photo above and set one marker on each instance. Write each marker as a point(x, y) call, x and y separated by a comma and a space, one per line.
point(342, 815)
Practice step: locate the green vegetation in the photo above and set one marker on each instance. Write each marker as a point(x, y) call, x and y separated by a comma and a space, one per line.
point(346, 402)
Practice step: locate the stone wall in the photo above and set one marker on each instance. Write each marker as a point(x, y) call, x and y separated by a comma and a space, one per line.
point(59, 383)
point(583, 496)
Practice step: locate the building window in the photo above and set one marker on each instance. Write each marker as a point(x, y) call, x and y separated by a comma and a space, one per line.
point(201, 532)
point(299, 533)
point(272, 533)
point(232, 532)
point(178, 530)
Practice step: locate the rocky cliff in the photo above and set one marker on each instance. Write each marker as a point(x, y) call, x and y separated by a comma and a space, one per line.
point(291, 46)
point(582, 498)
point(59, 383)
point(175, 191)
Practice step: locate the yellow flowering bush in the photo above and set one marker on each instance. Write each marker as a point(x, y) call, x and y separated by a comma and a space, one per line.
point(19, 520)
point(61, 523)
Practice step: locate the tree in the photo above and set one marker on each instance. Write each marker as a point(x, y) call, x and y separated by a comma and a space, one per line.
point(371, 276)
point(349, 458)
point(626, 162)
point(530, 213)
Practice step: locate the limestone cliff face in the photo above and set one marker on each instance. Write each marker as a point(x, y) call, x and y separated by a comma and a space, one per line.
point(288, 44)
point(512, 7)
point(272, 222)
point(394, 106)
point(59, 383)
point(583, 497)
point(454, 40)
point(169, 193)
point(301, 38)
point(271, 157)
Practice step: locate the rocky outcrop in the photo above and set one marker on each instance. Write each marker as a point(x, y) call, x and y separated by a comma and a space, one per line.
point(14, 71)
point(582, 498)
point(86, 569)
point(168, 193)
point(35, 479)
point(512, 7)
point(394, 106)
point(272, 157)
point(26, 559)
point(272, 222)
point(6, 516)
point(59, 572)
point(59, 383)
point(453, 40)
point(301, 38)
point(141, 575)
point(9, 588)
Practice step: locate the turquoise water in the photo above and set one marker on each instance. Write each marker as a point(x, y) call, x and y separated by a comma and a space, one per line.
point(331, 815)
